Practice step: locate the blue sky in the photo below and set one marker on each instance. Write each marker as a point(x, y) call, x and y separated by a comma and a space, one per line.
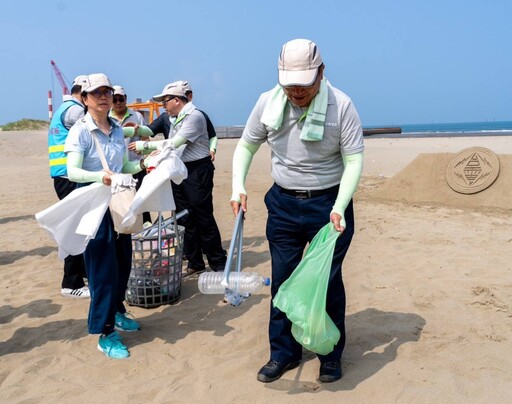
point(402, 62)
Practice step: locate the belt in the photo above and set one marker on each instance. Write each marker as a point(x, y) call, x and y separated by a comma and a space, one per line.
point(307, 193)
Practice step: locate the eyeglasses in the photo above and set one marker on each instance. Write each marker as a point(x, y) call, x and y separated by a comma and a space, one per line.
point(107, 92)
point(167, 100)
point(118, 99)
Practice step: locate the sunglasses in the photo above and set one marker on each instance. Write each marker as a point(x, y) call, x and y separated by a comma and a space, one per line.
point(167, 100)
point(118, 99)
point(107, 92)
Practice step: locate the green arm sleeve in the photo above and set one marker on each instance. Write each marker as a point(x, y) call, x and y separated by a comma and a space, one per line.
point(148, 147)
point(142, 131)
point(242, 159)
point(348, 184)
point(77, 174)
point(213, 144)
point(130, 167)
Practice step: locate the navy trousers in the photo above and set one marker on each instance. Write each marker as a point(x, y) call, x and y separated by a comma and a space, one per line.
point(108, 260)
point(291, 224)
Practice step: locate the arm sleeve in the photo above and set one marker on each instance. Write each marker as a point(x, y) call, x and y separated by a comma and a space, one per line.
point(143, 146)
point(130, 167)
point(77, 174)
point(213, 144)
point(348, 184)
point(242, 159)
point(142, 131)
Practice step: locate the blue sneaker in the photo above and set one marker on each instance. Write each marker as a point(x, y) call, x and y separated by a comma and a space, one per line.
point(112, 346)
point(124, 323)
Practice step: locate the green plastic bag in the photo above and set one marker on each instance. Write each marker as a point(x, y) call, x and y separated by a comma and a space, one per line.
point(303, 295)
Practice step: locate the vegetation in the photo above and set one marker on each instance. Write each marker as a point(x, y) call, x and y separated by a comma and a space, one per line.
point(26, 124)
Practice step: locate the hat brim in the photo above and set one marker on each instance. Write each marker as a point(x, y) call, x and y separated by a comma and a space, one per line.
point(90, 89)
point(297, 77)
point(159, 97)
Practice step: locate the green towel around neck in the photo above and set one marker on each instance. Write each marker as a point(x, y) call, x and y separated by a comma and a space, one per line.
point(313, 129)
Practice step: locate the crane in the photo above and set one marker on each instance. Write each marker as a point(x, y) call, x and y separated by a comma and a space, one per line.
point(63, 84)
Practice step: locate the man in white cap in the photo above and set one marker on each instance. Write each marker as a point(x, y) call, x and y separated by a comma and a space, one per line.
point(124, 115)
point(316, 139)
point(162, 123)
point(70, 111)
point(187, 125)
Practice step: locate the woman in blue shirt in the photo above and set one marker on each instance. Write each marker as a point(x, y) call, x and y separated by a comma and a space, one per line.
point(108, 256)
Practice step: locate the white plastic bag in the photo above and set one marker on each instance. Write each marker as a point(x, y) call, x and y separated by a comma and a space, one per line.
point(155, 192)
point(74, 220)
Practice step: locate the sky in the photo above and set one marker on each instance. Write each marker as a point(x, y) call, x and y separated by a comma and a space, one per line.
point(401, 61)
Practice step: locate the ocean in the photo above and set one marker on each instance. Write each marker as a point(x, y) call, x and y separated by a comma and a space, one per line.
point(488, 128)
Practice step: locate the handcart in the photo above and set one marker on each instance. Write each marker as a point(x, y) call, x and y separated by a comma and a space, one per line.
point(155, 277)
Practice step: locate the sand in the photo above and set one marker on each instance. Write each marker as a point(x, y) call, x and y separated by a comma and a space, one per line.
point(428, 284)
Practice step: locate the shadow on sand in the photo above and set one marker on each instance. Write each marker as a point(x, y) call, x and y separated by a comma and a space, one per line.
point(373, 340)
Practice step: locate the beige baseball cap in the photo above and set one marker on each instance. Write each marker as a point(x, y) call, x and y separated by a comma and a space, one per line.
point(176, 88)
point(79, 80)
point(96, 80)
point(118, 90)
point(298, 64)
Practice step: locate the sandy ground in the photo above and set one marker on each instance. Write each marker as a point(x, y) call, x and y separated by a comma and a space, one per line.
point(428, 284)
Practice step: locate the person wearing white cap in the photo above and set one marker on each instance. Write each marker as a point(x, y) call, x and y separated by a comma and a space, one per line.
point(70, 111)
point(188, 126)
point(316, 141)
point(123, 116)
point(108, 256)
point(162, 124)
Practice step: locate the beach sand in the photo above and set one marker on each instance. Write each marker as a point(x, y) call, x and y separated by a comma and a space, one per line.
point(428, 280)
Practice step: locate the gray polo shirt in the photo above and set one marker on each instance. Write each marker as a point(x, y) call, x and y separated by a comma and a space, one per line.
point(300, 164)
point(73, 113)
point(193, 128)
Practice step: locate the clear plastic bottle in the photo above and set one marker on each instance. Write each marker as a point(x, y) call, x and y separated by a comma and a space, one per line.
point(209, 283)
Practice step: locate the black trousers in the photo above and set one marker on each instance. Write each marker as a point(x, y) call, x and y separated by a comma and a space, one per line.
point(74, 266)
point(201, 231)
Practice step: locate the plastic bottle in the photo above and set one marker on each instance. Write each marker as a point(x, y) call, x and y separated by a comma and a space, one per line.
point(209, 283)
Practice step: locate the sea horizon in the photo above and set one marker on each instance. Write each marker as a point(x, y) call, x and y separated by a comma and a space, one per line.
point(484, 128)
point(481, 127)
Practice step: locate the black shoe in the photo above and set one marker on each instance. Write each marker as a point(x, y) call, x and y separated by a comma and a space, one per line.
point(330, 372)
point(273, 370)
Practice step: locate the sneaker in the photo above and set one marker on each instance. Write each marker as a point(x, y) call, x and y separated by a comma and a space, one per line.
point(124, 323)
point(112, 346)
point(81, 293)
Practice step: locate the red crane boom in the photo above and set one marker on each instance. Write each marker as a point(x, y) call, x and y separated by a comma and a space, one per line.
point(60, 78)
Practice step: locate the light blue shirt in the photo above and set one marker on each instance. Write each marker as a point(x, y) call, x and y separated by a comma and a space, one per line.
point(80, 140)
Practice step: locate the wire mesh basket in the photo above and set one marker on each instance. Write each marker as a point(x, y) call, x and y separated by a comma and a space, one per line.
point(155, 277)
